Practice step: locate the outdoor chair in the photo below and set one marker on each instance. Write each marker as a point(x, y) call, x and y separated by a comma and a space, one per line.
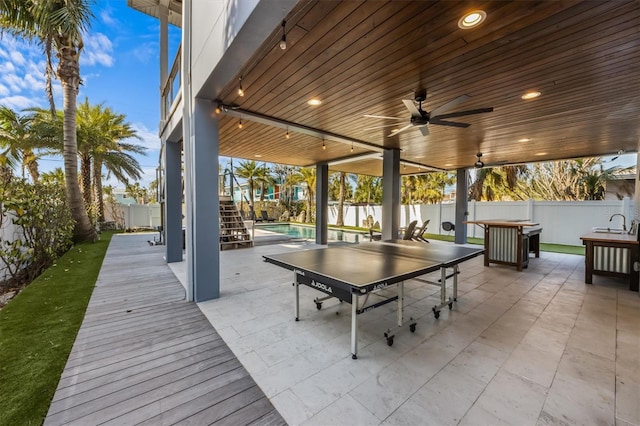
point(254, 217)
point(408, 233)
point(420, 231)
point(265, 217)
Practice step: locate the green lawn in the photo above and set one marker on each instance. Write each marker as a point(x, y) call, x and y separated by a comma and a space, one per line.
point(37, 331)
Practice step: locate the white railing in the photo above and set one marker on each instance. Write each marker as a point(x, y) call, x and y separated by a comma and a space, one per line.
point(171, 88)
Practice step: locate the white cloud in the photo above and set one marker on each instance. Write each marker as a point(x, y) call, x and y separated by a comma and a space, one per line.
point(106, 15)
point(7, 67)
point(146, 51)
point(17, 58)
point(14, 82)
point(18, 102)
point(97, 50)
point(4, 91)
point(149, 139)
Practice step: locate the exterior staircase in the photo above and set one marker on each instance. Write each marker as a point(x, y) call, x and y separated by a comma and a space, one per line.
point(233, 232)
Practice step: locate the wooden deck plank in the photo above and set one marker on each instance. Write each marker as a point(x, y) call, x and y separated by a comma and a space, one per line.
point(121, 379)
point(144, 354)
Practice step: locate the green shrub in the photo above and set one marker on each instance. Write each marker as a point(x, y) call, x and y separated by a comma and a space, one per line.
point(44, 228)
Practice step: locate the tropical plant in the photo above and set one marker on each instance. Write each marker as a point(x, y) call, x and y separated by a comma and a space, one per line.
point(570, 180)
point(253, 173)
point(45, 228)
point(339, 189)
point(17, 141)
point(499, 184)
point(309, 179)
point(101, 136)
point(58, 26)
point(368, 190)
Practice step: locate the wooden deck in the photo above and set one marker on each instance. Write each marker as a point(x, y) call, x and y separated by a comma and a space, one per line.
point(144, 355)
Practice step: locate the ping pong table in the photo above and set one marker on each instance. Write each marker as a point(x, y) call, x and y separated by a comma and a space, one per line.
point(357, 271)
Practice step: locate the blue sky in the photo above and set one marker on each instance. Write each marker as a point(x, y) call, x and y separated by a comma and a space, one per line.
point(119, 66)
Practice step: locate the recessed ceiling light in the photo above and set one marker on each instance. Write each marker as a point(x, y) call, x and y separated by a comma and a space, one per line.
point(258, 156)
point(314, 102)
point(541, 153)
point(472, 19)
point(448, 165)
point(524, 140)
point(531, 95)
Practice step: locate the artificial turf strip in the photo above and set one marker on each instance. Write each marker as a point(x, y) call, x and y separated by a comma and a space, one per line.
point(37, 331)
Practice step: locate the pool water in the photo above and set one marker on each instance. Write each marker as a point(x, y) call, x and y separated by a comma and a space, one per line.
point(308, 232)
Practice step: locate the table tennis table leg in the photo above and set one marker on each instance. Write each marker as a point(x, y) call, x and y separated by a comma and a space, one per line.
point(443, 285)
point(297, 286)
point(400, 303)
point(354, 326)
point(456, 271)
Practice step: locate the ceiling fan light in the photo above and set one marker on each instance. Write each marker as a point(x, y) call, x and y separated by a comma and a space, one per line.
point(472, 19)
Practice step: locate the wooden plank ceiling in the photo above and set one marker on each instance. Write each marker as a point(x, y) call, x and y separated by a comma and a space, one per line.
point(366, 57)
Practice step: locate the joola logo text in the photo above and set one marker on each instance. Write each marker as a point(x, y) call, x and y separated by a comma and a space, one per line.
point(321, 286)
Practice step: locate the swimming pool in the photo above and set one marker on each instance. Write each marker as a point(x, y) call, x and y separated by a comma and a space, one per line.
point(309, 232)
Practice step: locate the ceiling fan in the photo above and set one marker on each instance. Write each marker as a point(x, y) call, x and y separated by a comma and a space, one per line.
point(421, 118)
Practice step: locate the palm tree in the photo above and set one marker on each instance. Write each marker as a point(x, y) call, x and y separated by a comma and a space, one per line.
point(252, 172)
point(18, 141)
point(58, 26)
point(309, 178)
point(342, 187)
point(368, 189)
point(100, 135)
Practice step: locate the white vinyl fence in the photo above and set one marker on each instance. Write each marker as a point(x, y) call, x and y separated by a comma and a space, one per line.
point(563, 222)
point(8, 232)
point(136, 215)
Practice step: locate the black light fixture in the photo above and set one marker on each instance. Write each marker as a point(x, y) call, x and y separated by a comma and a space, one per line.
point(351, 146)
point(324, 146)
point(240, 124)
point(479, 164)
point(240, 89)
point(287, 134)
point(283, 41)
point(218, 109)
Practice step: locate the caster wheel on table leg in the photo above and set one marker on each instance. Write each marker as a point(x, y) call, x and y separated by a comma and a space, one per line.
point(412, 327)
point(450, 305)
point(318, 305)
point(390, 341)
point(436, 314)
point(354, 356)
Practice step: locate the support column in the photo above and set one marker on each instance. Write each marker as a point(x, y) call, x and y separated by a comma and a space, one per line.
point(322, 202)
point(391, 196)
point(173, 201)
point(462, 200)
point(203, 204)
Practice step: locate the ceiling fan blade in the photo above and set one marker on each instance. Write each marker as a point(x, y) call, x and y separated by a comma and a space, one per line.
point(450, 123)
point(451, 104)
point(383, 116)
point(395, 132)
point(381, 127)
point(462, 113)
point(424, 130)
point(412, 108)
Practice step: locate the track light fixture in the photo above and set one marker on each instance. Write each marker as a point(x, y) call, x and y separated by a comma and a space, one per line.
point(283, 41)
point(240, 89)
